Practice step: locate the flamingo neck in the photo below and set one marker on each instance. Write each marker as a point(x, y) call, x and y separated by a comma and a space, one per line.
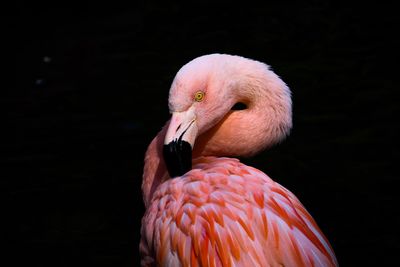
point(155, 171)
point(266, 121)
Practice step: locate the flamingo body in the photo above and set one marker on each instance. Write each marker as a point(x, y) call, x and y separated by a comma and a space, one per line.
point(202, 219)
point(213, 210)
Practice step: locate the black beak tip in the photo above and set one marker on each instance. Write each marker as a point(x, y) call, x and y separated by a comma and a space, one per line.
point(178, 157)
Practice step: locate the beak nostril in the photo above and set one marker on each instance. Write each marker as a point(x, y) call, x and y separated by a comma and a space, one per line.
point(177, 129)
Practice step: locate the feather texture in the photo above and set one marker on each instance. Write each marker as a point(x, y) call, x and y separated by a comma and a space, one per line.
point(224, 213)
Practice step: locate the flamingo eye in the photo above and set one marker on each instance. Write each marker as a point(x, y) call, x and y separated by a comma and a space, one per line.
point(198, 96)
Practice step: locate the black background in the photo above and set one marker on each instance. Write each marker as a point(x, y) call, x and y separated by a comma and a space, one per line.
point(90, 92)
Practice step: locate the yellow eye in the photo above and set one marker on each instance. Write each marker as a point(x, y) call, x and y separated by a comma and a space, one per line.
point(198, 96)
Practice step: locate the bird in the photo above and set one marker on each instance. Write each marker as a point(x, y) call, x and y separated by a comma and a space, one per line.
point(203, 206)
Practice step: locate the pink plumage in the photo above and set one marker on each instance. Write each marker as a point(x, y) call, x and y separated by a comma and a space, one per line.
point(220, 212)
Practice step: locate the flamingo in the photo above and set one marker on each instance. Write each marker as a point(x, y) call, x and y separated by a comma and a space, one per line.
point(206, 208)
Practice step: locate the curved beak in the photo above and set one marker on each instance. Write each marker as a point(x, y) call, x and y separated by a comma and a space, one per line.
point(179, 142)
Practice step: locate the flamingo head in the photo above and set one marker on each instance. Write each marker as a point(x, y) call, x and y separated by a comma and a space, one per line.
point(227, 106)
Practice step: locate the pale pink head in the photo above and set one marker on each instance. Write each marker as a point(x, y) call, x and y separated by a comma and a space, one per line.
point(202, 96)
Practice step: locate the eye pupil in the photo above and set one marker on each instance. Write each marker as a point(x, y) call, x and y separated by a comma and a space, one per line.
point(199, 96)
